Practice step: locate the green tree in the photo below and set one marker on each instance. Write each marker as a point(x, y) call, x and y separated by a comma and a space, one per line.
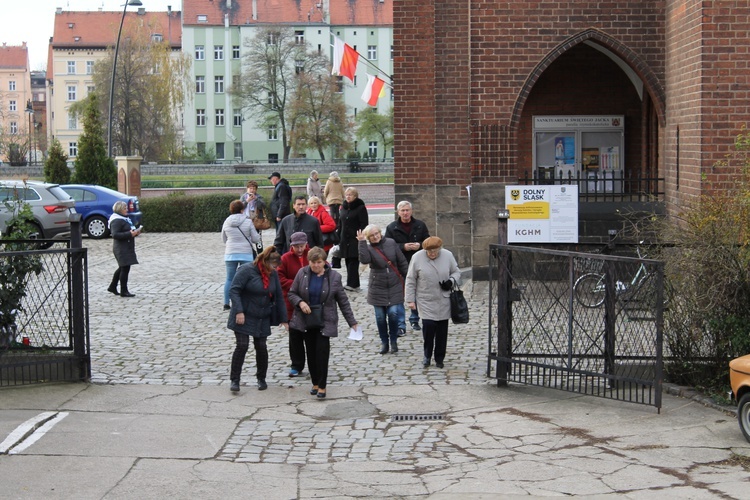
point(150, 88)
point(319, 110)
point(56, 166)
point(269, 80)
point(373, 125)
point(92, 164)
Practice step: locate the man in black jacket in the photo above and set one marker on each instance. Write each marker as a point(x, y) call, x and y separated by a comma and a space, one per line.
point(299, 221)
point(282, 196)
point(409, 233)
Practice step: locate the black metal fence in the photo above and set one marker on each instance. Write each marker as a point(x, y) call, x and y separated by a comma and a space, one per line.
point(48, 337)
point(602, 186)
point(585, 323)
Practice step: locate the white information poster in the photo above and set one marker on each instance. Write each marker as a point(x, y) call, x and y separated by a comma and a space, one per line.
point(542, 214)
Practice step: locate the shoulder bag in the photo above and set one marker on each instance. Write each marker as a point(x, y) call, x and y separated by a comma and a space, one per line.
point(261, 222)
point(390, 264)
point(459, 307)
point(315, 318)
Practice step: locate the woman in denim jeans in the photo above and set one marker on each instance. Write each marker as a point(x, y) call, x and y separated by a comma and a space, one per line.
point(240, 237)
point(386, 288)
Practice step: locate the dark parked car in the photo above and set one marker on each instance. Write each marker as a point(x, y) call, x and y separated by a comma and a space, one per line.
point(94, 203)
point(50, 205)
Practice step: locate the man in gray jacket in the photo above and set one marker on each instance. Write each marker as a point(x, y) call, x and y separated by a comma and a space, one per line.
point(299, 221)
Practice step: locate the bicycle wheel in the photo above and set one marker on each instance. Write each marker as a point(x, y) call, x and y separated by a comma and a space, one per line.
point(589, 290)
point(646, 292)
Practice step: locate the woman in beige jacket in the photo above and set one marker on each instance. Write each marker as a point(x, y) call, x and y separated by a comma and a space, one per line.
point(333, 195)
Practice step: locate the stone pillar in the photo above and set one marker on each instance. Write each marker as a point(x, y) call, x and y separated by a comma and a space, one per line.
point(129, 175)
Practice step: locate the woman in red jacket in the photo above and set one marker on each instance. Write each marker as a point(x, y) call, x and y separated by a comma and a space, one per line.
point(327, 224)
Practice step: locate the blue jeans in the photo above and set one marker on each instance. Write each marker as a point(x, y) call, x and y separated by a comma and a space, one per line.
point(387, 319)
point(413, 318)
point(232, 266)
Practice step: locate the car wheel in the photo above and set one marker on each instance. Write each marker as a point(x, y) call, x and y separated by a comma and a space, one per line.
point(743, 415)
point(40, 235)
point(96, 227)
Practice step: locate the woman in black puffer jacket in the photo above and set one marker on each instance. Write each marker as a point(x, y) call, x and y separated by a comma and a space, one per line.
point(385, 291)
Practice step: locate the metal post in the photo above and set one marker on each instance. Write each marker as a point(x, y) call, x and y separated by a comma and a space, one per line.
point(30, 111)
point(114, 73)
point(77, 319)
point(503, 301)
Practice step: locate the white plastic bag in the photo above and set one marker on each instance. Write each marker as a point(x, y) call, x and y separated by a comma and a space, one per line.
point(355, 334)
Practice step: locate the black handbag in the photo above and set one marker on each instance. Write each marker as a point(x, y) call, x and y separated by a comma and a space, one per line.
point(315, 318)
point(459, 307)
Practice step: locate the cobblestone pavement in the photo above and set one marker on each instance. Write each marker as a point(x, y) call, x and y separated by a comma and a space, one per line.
point(174, 330)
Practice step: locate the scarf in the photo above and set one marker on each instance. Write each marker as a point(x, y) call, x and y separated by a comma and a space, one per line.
point(116, 216)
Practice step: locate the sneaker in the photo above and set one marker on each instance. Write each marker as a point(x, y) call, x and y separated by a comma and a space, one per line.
point(415, 326)
point(294, 373)
point(401, 332)
point(350, 288)
point(235, 387)
point(262, 386)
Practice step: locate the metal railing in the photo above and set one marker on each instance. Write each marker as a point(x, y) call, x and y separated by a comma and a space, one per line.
point(602, 186)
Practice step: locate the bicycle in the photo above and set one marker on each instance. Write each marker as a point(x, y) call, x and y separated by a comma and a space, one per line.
point(590, 289)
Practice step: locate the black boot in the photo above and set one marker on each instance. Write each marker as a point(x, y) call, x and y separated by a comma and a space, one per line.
point(384, 348)
point(394, 346)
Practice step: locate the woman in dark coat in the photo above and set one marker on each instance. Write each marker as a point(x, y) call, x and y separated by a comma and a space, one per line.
point(257, 305)
point(123, 233)
point(385, 291)
point(317, 284)
point(353, 218)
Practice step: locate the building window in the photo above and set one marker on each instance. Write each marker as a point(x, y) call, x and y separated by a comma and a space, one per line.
point(200, 52)
point(72, 122)
point(200, 117)
point(12, 85)
point(299, 66)
point(12, 106)
point(89, 67)
point(219, 117)
point(200, 84)
point(13, 128)
point(219, 52)
point(201, 147)
point(391, 52)
point(340, 84)
point(271, 38)
point(219, 150)
point(71, 67)
point(72, 149)
point(219, 84)
point(238, 150)
point(273, 158)
point(273, 133)
point(299, 37)
point(157, 37)
point(237, 118)
point(235, 51)
point(372, 52)
point(90, 89)
point(202, 18)
point(236, 81)
point(72, 92)
point(372, 149)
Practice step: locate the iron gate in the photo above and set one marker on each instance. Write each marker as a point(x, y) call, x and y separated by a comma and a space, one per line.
point(49, 337)
point(585, 323)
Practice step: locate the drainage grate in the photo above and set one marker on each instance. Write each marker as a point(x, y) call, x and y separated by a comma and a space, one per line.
point(404, 417)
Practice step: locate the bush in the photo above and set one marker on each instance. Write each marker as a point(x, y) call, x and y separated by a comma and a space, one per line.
point(178, 213)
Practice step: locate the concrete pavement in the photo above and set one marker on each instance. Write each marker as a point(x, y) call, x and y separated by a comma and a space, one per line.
point(158, 419)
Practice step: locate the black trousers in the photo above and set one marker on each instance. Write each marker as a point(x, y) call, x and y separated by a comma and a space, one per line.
point(297, 349)
point(240, 350)
point(435, 336)
point(121, 276)
point(334, 209)
point(352, 272)
point(318, 354)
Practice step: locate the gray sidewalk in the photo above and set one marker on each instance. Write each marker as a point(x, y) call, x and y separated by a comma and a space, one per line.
point(158, 419)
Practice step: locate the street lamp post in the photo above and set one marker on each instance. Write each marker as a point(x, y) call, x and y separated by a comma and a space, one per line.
point(135, 3)
point(30, 111)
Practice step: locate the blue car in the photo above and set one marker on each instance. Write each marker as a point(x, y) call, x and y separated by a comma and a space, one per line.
point(94, 203)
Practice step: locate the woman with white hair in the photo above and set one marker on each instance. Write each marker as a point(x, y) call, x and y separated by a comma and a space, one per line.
point(386, 288)
point(314, 188)
point(123, 233)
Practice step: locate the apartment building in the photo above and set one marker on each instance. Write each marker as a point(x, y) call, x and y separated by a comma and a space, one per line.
point(79, 40)
point(15, 92)
point(214, 35)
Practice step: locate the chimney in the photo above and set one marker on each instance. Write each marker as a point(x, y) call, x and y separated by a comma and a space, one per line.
point(58, 10)
point(141, 11)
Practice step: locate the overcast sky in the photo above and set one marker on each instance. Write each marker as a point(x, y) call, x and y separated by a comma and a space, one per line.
point(32, 21)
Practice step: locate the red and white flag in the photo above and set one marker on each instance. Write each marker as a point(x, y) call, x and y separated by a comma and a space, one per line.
point(374, 90)
point(344, 59)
